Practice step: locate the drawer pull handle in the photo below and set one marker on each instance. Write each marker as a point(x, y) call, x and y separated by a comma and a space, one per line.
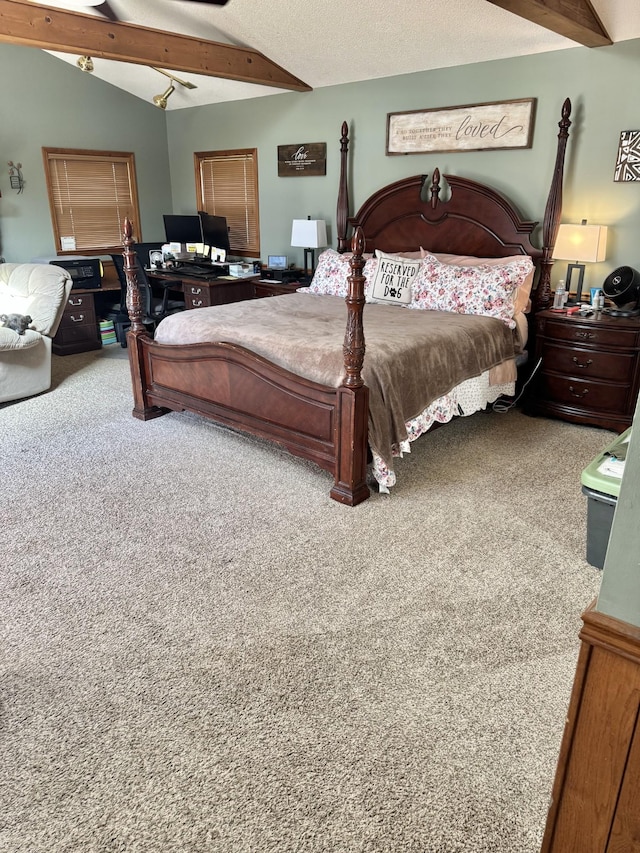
point(196, 290)
point(586, 364)
point(75, 304)
point(580, 394)
point(78, 319)
point(197, 303)
point(585, 335)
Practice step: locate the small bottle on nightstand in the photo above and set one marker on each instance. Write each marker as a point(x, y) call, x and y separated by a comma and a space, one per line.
point(560, 296)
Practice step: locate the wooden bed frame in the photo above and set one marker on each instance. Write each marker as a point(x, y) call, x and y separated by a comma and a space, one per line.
point(233, 386)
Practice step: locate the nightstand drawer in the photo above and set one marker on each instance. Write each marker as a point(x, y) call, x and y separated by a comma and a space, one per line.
point(588, 364)
point(590, 334)
point(577, 393)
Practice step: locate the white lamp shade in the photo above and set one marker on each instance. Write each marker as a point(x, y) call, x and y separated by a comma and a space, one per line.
point(581, 243)
point(309, 233)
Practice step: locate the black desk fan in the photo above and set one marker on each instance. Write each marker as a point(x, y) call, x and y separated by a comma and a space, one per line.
point(622, 287)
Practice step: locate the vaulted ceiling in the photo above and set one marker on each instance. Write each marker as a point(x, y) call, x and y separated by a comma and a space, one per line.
point(250, 48)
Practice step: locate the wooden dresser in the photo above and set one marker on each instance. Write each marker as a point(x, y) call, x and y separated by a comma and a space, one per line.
point(590, 369)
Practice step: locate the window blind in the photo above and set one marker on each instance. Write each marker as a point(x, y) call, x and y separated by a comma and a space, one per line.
point(227, 185)
point(90, 195)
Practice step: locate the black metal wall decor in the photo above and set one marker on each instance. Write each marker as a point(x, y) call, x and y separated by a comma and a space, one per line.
point(628, 160)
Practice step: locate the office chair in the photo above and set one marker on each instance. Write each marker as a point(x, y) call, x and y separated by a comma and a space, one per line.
point(154, 309)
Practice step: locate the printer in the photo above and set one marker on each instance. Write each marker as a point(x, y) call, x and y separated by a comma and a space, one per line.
point(85, 272)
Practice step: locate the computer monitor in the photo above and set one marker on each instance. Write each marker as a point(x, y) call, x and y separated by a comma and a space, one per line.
point(185, 229)
point(149, 253)
point(215, 234)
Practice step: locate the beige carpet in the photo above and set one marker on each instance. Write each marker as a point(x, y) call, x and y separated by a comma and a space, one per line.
point(202, 652)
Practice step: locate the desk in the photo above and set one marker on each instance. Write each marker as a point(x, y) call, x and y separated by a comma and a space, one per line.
point(201, 292)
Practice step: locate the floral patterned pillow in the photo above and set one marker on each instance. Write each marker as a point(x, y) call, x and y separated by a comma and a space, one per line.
point(332, 272)
point(483, 289)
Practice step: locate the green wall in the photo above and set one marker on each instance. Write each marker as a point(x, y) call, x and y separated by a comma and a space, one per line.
point(47, 102)
point(52, 103)
point(598, 81)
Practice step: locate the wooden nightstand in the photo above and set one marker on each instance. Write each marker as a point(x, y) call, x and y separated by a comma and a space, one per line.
point(590, 368)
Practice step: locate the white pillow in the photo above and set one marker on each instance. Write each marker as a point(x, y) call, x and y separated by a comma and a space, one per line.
point(392, 279)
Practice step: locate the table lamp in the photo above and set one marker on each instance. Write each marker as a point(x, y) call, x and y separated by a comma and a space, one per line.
point(310, 234)
point(582, 244)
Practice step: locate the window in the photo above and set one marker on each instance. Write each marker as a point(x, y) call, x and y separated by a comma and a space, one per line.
point(227, 185)
point(90, 193)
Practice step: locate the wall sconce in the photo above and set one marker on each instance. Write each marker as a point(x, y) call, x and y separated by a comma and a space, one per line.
point(15, 176)
point(582, 244)
point(85, 63)
point(161, 100)
point(310, 234)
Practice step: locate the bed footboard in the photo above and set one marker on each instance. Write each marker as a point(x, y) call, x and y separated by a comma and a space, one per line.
point(235, 387)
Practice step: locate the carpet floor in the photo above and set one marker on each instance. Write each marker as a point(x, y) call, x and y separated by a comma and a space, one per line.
point(202, 653)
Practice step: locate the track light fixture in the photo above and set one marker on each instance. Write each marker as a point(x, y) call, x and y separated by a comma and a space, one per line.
point(161, 100)
point(85, 63)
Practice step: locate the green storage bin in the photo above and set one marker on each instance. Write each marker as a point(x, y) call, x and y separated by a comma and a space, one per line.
point(602, 491)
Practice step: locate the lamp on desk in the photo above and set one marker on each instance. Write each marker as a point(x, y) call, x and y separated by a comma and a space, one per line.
point(310, 234)
point(582, 244)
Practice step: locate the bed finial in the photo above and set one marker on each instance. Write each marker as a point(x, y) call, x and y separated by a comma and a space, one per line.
point(435, 188)
point(134, 301)
point(342, 212)
point(553, 211)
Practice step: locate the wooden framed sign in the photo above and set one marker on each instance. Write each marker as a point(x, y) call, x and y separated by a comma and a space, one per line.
point(474, 127)
point(307, 158)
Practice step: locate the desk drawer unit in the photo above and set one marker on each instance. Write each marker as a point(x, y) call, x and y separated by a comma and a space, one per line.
point(206, 293)
point(78, 330)
point(196, 295)
point(590, 369)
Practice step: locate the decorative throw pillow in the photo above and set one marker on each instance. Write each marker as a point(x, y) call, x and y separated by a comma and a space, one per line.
point(483, 289)
point(331, 274)
point(391, 280)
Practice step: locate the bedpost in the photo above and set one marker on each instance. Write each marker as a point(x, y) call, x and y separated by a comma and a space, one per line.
point(354, 337)
point(137, 333)
point(134, 301)
point(553, 212)
point(342, 212)
point(350, 486)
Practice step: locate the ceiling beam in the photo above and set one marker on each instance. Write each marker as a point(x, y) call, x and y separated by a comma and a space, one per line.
point(574, 19)
point(32, 25)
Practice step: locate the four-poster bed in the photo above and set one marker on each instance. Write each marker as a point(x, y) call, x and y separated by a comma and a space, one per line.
point(319, 395)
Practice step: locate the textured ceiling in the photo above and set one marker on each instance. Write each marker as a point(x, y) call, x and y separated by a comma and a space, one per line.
point(332, 41)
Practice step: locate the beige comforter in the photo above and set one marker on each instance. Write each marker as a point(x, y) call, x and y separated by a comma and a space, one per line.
point(412, 357)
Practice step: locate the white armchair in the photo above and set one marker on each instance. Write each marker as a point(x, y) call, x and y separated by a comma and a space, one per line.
point(40, 291)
